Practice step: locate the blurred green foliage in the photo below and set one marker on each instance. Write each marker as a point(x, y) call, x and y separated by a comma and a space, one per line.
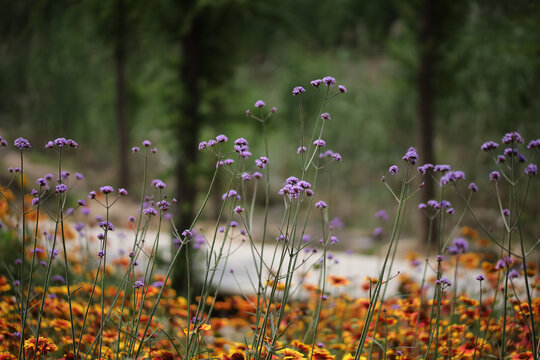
point(57, 78)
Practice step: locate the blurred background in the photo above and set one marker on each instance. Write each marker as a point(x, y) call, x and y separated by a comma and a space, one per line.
point(441, 75)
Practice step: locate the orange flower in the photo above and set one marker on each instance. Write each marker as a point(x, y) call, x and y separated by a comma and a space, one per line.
point(4, 285)
point(7, 356)
point(337, 280)
point(291, 354)
point(523, 356)
point(44, 346)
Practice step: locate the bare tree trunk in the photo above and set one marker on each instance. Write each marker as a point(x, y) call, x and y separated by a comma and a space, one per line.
point(426, 101)
point(188, 128)
point(121, 120)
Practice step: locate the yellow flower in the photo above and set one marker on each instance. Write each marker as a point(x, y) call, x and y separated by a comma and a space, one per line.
point(44, 346)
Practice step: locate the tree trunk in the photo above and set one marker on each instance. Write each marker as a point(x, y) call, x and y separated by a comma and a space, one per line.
point(426, 101)
point(121, 121)
point(189, 123)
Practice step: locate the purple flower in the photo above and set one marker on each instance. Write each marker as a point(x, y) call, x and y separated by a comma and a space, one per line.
point(512, 137)
point(106, 225)
point(154, 150)
point(101, 253)
point(382, 214)
point(150, 211)
point(221, 138)
point(440, 258)
point(41, 182)
point(81, 202)
point(377, 231)
point(443, 281)
point(411, 156)
point(337, 157)
point(441, 168)
point(203, 145)
point(319, 143)
point(159, 184)
point(138, 284)
point(147, 143)
point(187, 233)
point(480, 278)
point(325, 116)
point(257, 175)
point(450, 211)
point(506, 212)
point(321, 205)
point(234, 224)
point(135, 149)
point(92, 195)
point(504, 262)
point(298, 90)
point(514, 274)
point(333, 240)
point(424, 168)
point(58, 278)
point(534, 144)
point(35, 201)
point(21, 143)
point(60, 188)
point(531, 170)
point(459, 246)
point(329, 81)
point(316, 82)
point(451, 176)
point(245, 176)
point(273, 109)
point(434, 204)
point(393, 169)
point(230, 194)
point(500, 159)
point(473, 187)
point(79, 176)
point(259, 104)
point(238, 209)
point(342, 89)
point(422, 206)
point(163, 205)
point(122, 192)
point(488, 146)
point(494, 176)
point(106, 189)
point(261, 162)
point(511, 152)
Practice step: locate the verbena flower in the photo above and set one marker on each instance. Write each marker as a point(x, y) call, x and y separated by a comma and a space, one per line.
point(325, 116)
point(221, 138)
point(316, 82)
point(298, 90)
point(342, 89)
point(459, 246)
point(512, 137)
point(534, 144)
point(319, 143)
point(150, 211)
point(531, 170)
point(473, 187)
point(106, 189)
point(480, 278)
point(424, 168)
point(441, 168)
point(489, 145)
point(21, 143)
point(259, 104)
point(60, 188)
point(494, 176)
point(451, 176)
point(329, 81)
point(321, 205)
point(147, 143)
point(122, 192)
point(411, 156)
point(301, 149)
point(138, 284)
point(203, 145)
point(394, 169)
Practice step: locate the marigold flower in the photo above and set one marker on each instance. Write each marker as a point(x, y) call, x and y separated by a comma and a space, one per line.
point(44, 346)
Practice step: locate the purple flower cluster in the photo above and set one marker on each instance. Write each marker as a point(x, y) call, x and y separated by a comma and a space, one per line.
point(394, 169)
point(534, 144)
point(213, 142)
point(61, 143)
point(443, 282)
point(512, 138)
point(261, 162)
point(325, 116)
point(106, 225)
point(298, 90)
point(3, 142)
point(321, 205)
point(334, 155)
point(21, 143)
point(138, 284)
point(411, 156)
point(294, 187)
point(459, 246)
point(60, 188)
point(259, 104)
point(319, 143)
point(424, 168)
point(494, 176)
point(531, 170)
point(489, 145)
point(158, 184)
point(241, 147)
point(451, 176)
point(150, 211)
point(106, 189)
point(230, 194)
point(441, 168)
